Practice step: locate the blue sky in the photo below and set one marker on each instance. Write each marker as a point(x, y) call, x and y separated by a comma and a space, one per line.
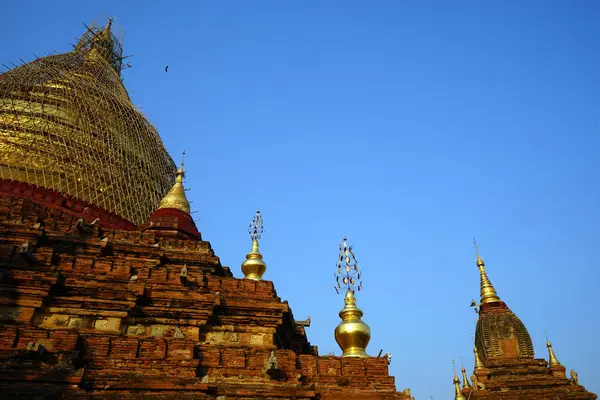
point(409, 126)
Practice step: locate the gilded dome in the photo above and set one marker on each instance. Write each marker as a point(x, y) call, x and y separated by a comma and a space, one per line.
point(352, 334)
point(67, 124)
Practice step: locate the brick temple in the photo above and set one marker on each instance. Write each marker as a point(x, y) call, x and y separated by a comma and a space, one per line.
point(505, 365)
point(108, 290)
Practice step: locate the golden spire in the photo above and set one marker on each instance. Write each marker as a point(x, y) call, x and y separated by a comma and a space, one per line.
point(102, 42)
point(108, 25)
point(253, 266)
point(105, 35)
point(488, 293)
point(352, 334)
point(553, 361)
point(466, 383)
point(176, 197)
point(478, 363)
point(457, 392)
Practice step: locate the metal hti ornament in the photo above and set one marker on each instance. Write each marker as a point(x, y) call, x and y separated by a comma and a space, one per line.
point(256, 228)
point(348, 274)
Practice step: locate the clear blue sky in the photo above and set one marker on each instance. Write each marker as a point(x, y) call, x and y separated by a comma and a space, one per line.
point(409, 126)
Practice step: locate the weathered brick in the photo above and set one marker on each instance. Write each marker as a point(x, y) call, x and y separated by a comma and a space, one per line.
point(153, 348)
point(233, 358)
point(142, 332)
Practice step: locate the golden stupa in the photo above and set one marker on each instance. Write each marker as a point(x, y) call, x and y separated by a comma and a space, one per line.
point(67, 124)
point(253, 266)
point(552, 360)
point(352, 334)
point(176, 197)
point(463, 371)
point(457, 390)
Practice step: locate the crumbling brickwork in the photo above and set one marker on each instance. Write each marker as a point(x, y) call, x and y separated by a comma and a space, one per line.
point(91, 313)
point(524, 379)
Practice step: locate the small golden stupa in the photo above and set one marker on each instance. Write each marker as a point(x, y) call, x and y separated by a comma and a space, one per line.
point(176, 197)
point(253, 266)
point(352, 334)
point(463, 370)
point(478, 362)
point(457, 391)
point(552, 360)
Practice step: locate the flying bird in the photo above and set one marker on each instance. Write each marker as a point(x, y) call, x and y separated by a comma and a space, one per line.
point(166, 68)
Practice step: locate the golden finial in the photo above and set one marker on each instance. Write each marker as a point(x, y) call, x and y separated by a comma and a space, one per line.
point(466, 383)
point(253, 266)
point(488, 293)
point(108, 25)
point(176, 197)
point(553, 361)
point(457, 392)
point(182, 158)
point(180, 174)
point(352, 334)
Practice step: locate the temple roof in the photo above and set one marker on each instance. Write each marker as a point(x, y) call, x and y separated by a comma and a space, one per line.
point(499, 333)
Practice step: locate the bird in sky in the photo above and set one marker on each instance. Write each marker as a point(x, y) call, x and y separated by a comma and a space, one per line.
point(166, 68)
